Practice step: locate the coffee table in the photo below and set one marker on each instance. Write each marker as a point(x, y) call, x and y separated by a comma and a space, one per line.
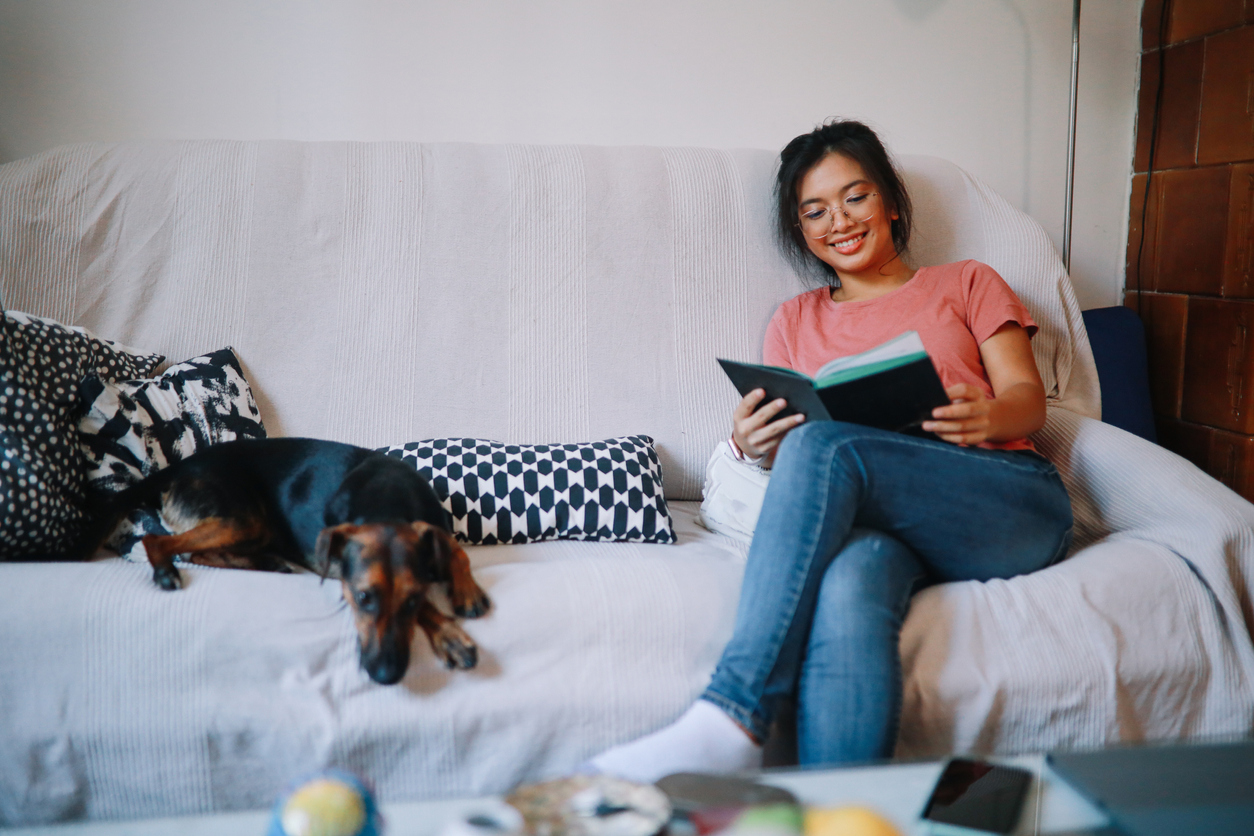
point(897, 790)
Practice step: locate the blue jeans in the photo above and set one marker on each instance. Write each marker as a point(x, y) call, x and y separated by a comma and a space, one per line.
point(854, 522)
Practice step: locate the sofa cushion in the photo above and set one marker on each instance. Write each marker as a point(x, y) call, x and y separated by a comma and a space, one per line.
point(133, 428)
point(1117, 336)
point(521, 493)
point(41, 364)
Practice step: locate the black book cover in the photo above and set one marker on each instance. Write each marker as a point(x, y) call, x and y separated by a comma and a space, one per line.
point(897, 399)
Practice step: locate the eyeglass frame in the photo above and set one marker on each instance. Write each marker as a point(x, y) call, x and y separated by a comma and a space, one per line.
point(832, 214)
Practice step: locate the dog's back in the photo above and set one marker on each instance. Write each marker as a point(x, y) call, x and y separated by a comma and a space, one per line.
point(380, 488)
point(300, 485)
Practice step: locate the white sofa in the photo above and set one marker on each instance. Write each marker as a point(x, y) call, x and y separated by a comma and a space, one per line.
point(384, 293)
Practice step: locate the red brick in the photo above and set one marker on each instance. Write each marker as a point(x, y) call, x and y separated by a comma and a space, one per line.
point(1151, 20)
point(1176, 145)
point(1190, 229)
point(1165, 319)
point(1194, 18)
point(1239, 253)
point(1232, 461)
point(1226, 132)
point(1219, 364)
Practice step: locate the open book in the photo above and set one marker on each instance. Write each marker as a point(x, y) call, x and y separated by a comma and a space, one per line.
point(893, 386)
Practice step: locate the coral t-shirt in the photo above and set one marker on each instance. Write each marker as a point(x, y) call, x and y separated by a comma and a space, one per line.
point(954, 307)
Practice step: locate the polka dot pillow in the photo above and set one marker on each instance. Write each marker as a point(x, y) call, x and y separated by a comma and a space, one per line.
point(521, 493)
point(130, 429)
point(41, 467)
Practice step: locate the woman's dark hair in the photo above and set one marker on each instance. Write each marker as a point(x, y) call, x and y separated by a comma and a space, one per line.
point(860, 144)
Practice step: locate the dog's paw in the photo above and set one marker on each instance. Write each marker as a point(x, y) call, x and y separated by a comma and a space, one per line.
point(474, 605)
point(454, 648)
point(167, 577)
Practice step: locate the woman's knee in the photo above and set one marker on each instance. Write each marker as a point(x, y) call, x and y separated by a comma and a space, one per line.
point(811, 439)
point(873, 570)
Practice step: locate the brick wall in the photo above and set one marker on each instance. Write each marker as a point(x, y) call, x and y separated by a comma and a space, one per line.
point(1191, 276)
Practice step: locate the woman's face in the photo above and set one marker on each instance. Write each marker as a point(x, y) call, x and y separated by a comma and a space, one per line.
point(854, 245)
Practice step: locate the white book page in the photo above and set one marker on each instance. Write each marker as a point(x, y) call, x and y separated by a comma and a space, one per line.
point(899, 346)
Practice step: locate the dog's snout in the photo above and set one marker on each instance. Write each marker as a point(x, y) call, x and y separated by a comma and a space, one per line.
point(388, 667)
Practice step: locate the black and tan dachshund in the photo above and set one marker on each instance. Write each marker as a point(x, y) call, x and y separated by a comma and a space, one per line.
point(341, 511)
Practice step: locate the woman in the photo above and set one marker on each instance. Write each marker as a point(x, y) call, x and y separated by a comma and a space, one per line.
point(855, 519)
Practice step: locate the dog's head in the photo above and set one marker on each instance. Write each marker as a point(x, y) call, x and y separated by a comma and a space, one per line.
point(386, 570)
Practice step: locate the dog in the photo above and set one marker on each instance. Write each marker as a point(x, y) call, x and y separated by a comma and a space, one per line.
point(341, 511)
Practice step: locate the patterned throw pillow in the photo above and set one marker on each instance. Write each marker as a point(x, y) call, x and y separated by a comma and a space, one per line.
point(41, 469)
point(133, 428)
point(521, 493)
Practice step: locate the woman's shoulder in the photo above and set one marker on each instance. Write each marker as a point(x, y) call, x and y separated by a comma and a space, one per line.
point(967, 268)
point(961, 277)
point(810, 297)
point(803, 302)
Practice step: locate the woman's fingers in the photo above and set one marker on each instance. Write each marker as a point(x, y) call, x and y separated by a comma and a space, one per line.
point(769, 411)
point(973, 425)
point(768, 437)
point(965, 420)
point(755, 418)
point(754, 431)
point(961, 411)
point(748, 404)
point(967, 431)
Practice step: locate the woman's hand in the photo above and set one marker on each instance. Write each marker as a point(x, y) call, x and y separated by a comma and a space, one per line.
point(966, 420)
point(754, 432)
point(1017, 408)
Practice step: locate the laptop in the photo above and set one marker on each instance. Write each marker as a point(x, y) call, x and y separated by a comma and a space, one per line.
point(1168, 790)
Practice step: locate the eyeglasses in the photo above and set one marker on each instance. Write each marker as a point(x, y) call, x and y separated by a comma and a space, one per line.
point(819, 221)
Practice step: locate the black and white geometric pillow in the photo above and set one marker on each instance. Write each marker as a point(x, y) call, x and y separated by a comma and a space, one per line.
point(41, 467)
point(133, 428)
point(521, 493)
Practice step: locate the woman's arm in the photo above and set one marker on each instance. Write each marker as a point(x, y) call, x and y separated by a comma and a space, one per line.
point(1017, 408)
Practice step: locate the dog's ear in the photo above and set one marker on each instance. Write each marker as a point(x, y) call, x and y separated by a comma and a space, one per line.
point(437, 546)
point(329, 550)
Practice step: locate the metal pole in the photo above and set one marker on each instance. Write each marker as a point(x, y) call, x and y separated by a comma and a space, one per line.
point(1075, 89)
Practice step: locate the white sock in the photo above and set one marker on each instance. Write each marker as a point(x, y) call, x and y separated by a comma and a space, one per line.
point(703, 739)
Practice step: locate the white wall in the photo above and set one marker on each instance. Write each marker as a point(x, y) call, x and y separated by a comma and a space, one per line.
point(981, 82)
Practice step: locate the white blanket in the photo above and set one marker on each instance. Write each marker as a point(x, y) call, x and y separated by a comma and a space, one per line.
point(1143, 633)
point(215, 696)
point(367, 305)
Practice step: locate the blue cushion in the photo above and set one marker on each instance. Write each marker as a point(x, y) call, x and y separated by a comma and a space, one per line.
point(1118, 340)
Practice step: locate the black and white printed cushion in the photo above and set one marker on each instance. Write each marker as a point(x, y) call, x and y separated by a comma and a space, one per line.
point(41, 467)
point(132, 428)
point(521, 493)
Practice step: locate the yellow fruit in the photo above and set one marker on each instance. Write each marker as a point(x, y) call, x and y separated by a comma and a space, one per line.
point(847, 821)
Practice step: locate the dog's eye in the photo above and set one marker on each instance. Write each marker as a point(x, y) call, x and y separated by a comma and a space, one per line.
point(411, 605)
point(367, 601)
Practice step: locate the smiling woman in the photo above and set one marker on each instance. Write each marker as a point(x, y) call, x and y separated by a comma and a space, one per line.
point(848, 227)
point(839, 179)
point(856, 519)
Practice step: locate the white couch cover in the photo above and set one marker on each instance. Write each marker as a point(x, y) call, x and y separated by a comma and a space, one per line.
point(382, 293)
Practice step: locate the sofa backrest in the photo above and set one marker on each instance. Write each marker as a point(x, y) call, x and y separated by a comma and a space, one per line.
point(379, 293)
